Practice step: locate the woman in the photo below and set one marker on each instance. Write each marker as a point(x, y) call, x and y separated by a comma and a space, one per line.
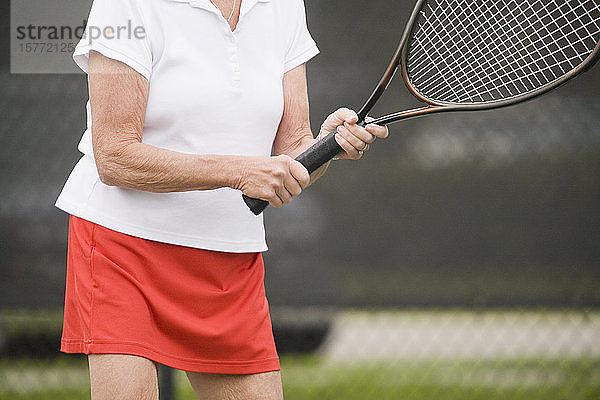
point(192, 102)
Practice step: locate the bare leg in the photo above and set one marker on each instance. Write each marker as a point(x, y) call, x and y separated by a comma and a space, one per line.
point(122, 377)
point(265, 386)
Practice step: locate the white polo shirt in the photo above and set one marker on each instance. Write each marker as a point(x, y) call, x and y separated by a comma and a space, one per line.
point(212, 91)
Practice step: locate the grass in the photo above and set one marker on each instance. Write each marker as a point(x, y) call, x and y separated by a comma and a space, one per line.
point(308, 377)
point(28, 379)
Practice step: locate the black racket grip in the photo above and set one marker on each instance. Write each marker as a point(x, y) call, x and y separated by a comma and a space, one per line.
point(319, 153)
point(313, 158)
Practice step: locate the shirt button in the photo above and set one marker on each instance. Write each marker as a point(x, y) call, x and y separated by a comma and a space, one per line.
point(236, 68)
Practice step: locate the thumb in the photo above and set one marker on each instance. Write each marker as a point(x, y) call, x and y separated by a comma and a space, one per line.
point(300, 173)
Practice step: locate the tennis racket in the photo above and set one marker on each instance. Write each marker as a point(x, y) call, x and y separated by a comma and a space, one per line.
point(464, 55)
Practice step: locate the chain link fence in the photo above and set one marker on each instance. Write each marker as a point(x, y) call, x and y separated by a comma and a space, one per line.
point(364, 354)
point(454, 354)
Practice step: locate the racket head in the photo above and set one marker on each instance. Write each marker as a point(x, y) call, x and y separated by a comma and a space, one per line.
point(462, 54)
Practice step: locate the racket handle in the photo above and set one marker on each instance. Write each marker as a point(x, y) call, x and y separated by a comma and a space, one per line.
point(313, 158)
point(319, 153)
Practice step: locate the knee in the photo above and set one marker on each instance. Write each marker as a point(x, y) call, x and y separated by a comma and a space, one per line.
point(262, 386)
point(122, 377)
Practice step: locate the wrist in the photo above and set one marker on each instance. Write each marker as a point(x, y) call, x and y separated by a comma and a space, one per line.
point(217, 171)
point(234, 171)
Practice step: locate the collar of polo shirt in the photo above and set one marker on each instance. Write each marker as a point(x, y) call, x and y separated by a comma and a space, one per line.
point(206, 4)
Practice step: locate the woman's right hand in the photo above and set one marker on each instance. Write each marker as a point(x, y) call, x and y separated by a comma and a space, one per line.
point(274, 179)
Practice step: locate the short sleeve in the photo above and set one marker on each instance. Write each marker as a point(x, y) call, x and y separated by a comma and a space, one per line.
point(117, 30)
point(301, 47)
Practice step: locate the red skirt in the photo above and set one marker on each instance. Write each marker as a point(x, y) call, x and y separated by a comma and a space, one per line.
point(190, 309)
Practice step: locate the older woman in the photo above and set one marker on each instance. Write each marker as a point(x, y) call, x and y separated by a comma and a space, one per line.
point(192, 102)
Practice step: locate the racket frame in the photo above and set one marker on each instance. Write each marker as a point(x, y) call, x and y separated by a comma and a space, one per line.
point(327, 148)
point(400, 61)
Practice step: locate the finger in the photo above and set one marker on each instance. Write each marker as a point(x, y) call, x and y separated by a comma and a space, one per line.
point(360, 132)
point(350, 151)
point(300, 174)
point(346, 115)
point(292, 186)
point(355, 141)
point(379, 131)
point(284, 195)
point(275, 201)
point(338, 118)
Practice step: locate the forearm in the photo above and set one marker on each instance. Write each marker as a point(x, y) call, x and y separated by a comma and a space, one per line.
point(144, 167)
point(294, 135)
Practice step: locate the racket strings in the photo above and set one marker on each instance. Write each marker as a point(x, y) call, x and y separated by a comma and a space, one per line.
point(524, 70)
point(449, 36)
point(453, 36)
point(472, 55)
point(465, 51)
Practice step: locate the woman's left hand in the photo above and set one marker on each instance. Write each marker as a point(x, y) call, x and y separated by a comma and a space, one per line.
point(354, 139)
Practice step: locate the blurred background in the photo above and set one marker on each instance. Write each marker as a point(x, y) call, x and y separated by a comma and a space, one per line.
point(460, 259)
